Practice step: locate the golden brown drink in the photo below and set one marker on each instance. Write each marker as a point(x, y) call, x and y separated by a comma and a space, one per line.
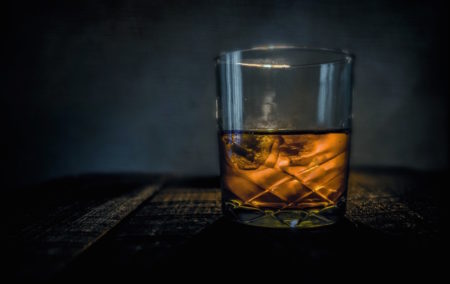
point(284, 179)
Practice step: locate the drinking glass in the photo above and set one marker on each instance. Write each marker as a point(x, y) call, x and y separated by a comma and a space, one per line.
point(284, 123)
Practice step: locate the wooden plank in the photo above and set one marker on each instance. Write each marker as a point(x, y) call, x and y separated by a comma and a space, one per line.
point(61, 233)
point(395, 202)
point(392, 217)
point(181, 229)
point(169, 219)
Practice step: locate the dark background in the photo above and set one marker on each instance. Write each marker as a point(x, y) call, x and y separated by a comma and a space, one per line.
point(101, 86)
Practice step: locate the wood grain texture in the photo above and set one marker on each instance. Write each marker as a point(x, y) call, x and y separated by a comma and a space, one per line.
point(181, 229)
point(392, 217)
point(46, 239)
point(396, 203)
point(147, 237)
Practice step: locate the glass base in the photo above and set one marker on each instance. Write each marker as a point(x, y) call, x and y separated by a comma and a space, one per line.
point(298, 219)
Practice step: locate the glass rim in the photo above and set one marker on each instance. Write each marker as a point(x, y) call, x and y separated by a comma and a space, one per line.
point(345, 56)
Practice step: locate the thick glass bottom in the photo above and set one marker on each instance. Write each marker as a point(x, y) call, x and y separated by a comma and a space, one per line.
point(292, 218)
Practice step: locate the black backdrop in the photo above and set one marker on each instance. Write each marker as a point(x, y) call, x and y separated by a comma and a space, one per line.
point(99, 86)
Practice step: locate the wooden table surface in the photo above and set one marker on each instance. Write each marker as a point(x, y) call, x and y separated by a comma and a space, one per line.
point(122, 226)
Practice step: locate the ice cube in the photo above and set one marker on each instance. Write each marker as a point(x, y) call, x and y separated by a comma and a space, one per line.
point(248, 151)
point(316, 149)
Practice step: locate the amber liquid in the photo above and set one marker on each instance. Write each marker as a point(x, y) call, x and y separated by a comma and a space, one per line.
point(284, 179)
